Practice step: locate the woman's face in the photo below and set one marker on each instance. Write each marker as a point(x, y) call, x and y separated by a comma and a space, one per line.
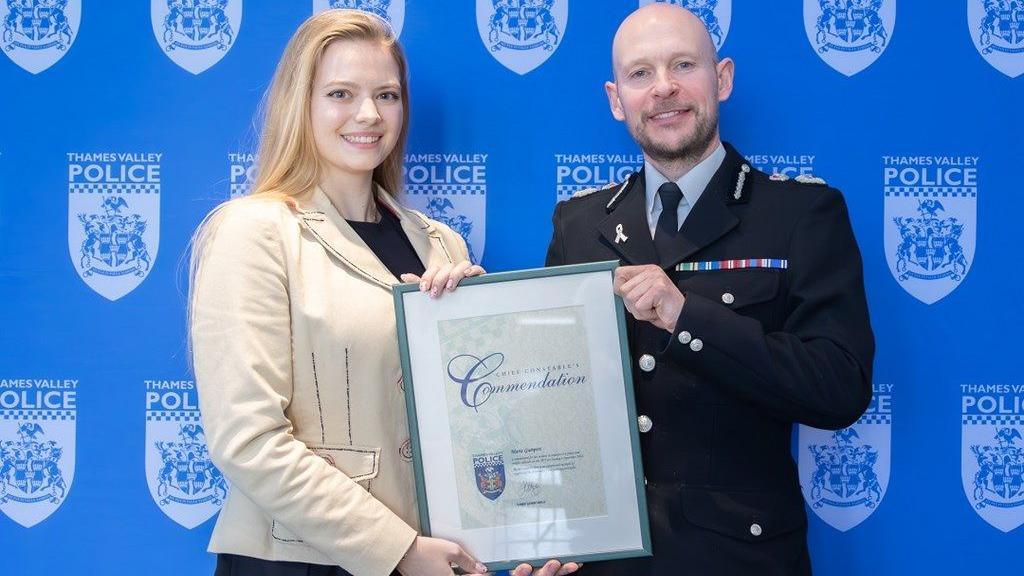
point(356, 109)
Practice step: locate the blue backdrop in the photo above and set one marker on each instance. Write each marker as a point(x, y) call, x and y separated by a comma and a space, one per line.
point(125, 122)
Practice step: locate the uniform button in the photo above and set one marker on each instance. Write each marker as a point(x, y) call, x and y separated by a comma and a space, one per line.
point(728, 298)
point(685, 337)
point(755, 529)
point(696, 345)
point(647, 363)
point(645, 423)
point(645, 480)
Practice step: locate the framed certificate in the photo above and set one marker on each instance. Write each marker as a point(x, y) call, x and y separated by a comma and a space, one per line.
point(522, 418)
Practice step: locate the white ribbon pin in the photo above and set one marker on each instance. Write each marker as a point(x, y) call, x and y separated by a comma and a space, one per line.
point(619, 236)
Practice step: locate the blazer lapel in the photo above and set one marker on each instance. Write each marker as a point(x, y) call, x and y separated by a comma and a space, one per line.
point(710, 218)
point(426, 240)
point(319, 216)
point(626, 229)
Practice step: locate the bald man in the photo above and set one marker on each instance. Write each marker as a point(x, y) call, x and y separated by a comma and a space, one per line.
point(746, 311)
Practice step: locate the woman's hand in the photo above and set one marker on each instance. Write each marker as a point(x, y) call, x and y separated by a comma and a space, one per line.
point(438, 279)
point(550, 568)
point(434, 557)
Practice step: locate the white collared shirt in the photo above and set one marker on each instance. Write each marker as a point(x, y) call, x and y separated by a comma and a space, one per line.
point(692, 184)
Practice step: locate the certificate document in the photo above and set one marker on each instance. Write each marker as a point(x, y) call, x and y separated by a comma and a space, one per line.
point(521, 416)
point(511, 378)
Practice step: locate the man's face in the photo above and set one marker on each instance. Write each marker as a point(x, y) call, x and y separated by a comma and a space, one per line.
point(667, 86)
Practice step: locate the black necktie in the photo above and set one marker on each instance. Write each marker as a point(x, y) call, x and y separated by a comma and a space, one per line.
point(668, 222)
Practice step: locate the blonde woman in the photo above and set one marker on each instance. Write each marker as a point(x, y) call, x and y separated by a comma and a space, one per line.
point(292, 323)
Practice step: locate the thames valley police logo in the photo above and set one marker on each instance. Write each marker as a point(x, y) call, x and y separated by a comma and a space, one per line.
point(182, 480)
point(37, 447)
point(575, 172)
point(452, 189)
point(992, 450)
point(392, 11)
point(997, 29)
point(521, 34)
point(113, 219)
point(196, 34)
point(37, 33)
point(849, 35)
point(845, 474)
point(716, 15)
point(490, 474)
point(930, 215)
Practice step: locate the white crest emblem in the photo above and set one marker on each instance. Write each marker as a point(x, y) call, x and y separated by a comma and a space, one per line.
point(849, 35)
point(716, 15)
point(993, 467)
point(196, 34)
point(113, 235)
point(997, 29)
point(844, 474)
point(929, 240)
point(37, 453)
point(38, 33)
point(392, 11)
point(182, 480)
point(521, 34)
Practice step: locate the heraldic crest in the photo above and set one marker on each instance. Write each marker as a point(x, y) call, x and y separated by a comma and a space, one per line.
point(197, 25)
point(36, 25)
point(850, 26)
point(113, 244)
point(999, 480)
point(844, 473)
point(29, 469)
point(187, 476)
point(930, 245)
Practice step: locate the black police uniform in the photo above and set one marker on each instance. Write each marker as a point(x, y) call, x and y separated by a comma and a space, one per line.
point(785, 339)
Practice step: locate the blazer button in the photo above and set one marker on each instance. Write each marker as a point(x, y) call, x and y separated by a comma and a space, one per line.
point(696, 345)
point(647, 363)
point(685, 337)
point(728, 298)
point(755, 529)
point(644, 423)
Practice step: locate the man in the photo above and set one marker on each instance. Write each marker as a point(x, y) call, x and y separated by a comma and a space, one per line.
point(746, 311)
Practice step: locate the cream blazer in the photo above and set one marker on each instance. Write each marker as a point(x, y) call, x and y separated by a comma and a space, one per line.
point(300, 385)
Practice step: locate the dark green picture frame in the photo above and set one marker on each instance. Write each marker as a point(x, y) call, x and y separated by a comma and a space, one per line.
point(400, 290)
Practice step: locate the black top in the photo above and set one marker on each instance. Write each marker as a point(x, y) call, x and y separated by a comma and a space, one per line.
point(389, 243)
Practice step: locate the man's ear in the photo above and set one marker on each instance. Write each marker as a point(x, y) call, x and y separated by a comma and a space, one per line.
point(726, 70)
point(613, 100)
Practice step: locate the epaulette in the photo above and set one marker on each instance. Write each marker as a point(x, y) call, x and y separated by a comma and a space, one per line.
point(809, 179)
point(589, 191)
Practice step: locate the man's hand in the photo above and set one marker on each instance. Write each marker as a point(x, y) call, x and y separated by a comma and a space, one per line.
point(649, 295)
point(550, 568)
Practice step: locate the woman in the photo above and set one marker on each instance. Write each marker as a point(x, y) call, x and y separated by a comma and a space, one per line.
point(293, 328)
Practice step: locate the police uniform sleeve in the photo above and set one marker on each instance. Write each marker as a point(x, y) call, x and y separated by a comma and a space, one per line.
point(817, 369)
point(556, 249)
point(241, 340)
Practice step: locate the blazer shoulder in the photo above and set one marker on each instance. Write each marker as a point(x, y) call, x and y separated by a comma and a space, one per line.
point(249, 220)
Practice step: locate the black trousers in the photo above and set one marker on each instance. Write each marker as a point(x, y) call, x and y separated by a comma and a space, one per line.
point(232, 565)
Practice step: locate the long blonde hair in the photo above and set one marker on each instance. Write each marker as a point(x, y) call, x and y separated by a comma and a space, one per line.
point(288, 163)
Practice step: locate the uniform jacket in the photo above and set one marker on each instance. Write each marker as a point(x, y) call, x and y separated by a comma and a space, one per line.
point(299, 379)
point(755, 349)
